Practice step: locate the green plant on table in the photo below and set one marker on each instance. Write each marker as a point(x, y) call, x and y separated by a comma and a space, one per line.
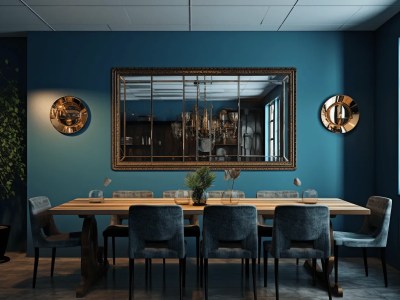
point(199, 181)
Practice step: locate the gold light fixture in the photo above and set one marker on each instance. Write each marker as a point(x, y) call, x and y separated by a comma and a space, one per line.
point(68, 114)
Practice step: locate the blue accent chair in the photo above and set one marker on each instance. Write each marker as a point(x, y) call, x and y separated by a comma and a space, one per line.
point(229, 231)
point(156, 231)
point(373, 233)
point(45, 233)
point(300, 231)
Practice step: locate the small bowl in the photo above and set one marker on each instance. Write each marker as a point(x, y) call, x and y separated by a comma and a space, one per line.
point(182, 201)
point(310, 200)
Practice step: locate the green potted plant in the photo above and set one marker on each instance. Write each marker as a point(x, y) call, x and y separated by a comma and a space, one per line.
point(199, 181)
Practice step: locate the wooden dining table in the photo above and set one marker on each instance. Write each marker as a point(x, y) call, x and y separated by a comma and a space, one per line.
point(92, 266)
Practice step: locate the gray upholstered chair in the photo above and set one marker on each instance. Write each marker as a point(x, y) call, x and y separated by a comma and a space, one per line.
point(265, 230)
point(190, 230)
point(116, 227)
point(45, 233)
point(373, 233)
point(156, 231)
point(229, 231)
point(300, 231)
point(220, 194)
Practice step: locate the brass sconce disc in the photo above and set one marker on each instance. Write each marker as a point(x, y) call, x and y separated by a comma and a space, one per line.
point(340, 114)
point(68, 114)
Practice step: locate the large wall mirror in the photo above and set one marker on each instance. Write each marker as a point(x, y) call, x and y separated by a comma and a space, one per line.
point(180, 119)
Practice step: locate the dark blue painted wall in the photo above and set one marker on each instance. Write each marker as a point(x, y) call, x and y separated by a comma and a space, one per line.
point(77, 63)
point(387, 128)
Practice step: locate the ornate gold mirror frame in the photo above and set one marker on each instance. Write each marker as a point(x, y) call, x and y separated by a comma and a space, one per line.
point(185, 118)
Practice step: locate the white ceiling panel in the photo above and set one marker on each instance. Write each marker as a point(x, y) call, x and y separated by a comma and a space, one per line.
point(83, 14)
point(228, 15)
point(303, 27)
point(275, 15)
point(105, 2)
point(24, 27)
point(161, 15)
point(17, 15)
point(270, 27)
point(375, 15)
point(10, 2)
point(243, 2)
point(84, 27)
point(131, 27)
point(321, 15)
point(347, 2)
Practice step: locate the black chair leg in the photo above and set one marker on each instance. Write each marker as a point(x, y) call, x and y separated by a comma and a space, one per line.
point(259, 249)
point(53, 259)
point(105, 246)
point(181, 263)
point(314, 271)
point(131, 276)
point(253, 269)
point(365, 261)
point(336, 263)
point(297, 261)
point(383, 260)
point(265, 266)
point(184, 272)
point(325, 267)
point(276, 264)
point(35, 267)
point(113, 249)
point(247, 269)
point(206, 278)
point(201, 270)
point(197, 252)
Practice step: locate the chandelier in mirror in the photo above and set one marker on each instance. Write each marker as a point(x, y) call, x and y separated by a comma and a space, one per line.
point(186, 118)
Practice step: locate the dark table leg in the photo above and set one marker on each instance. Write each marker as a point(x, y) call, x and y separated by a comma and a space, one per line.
point(91, 268)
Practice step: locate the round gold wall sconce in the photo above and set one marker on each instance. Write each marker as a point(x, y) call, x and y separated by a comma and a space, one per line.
point(340, 114)
point(68, 114)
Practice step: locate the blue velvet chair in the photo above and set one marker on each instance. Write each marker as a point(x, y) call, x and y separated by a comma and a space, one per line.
point(300, 231)
point(190, 230)
point(265, 230)
point(116, 227)
point(156, 231)
point(229, 231)
point(45, 233)
point(373, 233)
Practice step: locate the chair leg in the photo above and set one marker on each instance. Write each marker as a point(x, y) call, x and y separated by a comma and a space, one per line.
point(325, 267)
point(259, 249)
point(314, 271)
point(383, 260)
point(113, 249)
point(365, 261)
point(206, 278)
point(53, 259)
point(253, 269)
point(184, 272)
point(197, 251)
point(247, 267)
point(276, 264)
point(131, 276)
point(35, 267)
point(180, 277)
point(336, 263)
point(105, 246)
point(265, 266)
point(297, 261)
point(201, 270)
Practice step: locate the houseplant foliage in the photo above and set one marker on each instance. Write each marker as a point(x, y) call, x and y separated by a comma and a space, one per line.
point(12, 145)
point(199, 181)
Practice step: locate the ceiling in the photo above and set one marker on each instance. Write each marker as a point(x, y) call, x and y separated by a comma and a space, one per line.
point(20, 16)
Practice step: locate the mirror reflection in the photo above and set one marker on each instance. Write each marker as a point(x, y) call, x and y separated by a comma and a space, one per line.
point(184, 118)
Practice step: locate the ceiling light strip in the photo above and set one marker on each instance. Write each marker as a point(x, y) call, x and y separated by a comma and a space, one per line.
point(287, 15)
point(37, 15)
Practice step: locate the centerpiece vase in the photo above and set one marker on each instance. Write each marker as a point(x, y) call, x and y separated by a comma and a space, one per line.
point(199, 197)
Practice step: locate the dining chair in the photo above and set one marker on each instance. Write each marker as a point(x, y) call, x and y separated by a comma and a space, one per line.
point(156, 231)
point(45, 233)
point(265, 230)
point(220, 194)
point(229, 231)
point(373, 233)
point(116, 227)
point(300, 232)
point(192, 229)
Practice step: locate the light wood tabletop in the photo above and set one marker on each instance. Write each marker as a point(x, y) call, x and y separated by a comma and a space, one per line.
point(265, 206)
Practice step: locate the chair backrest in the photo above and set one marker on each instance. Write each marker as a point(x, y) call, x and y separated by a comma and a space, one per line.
point(172, 193)
point(220, 194)
point(156, 223)
point(133, 194)
point(42, 223)
point(230, 223)
point(277, 194)
point(300, 223)
point(377, 223)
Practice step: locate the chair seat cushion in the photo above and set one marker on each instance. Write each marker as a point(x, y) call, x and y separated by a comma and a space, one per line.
point(301, 253)
point(70, 239)
point(264, 230)
point(191, 230)
point(351, 239)
point(156, 253)
point(116, 230)
point(229, 253)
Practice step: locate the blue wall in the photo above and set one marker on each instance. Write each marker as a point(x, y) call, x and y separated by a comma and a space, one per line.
point(79, 64)
point(386, 129)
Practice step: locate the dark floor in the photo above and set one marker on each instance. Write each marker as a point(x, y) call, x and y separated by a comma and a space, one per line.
point(225, 281)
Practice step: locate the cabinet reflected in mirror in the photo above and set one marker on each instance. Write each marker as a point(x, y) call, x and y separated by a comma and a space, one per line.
point(186, 118)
